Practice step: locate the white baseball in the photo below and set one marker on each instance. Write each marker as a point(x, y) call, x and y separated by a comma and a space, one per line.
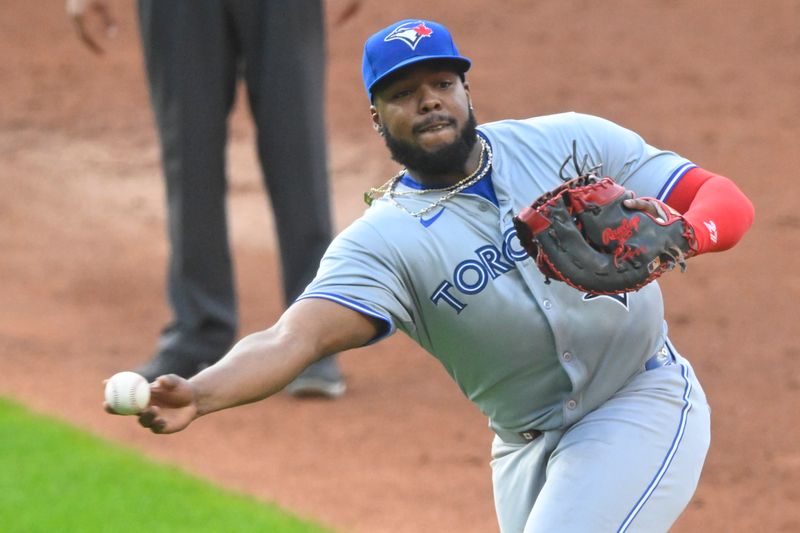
point(127, 393)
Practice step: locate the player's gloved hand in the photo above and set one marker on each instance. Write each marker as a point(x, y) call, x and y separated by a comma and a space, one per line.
point(594, 235)
point(173, 405)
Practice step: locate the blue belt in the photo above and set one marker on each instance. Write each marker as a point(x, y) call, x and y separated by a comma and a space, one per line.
point(664, 357)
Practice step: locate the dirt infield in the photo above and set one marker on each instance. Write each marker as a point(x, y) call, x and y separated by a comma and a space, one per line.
point(82, 249)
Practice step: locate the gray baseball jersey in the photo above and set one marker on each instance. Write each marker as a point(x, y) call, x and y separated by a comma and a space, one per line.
point(456, 280)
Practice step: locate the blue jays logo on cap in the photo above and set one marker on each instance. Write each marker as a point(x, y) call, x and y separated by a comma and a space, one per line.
point(404, 43)
point(410, 33)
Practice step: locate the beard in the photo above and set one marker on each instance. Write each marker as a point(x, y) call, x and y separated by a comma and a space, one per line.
point(449, 159)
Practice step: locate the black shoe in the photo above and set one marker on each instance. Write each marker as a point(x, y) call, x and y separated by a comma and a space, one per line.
point(322, 379)
point(170, 363)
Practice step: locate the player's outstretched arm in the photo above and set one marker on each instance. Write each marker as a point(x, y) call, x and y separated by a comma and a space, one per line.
point(259, 365)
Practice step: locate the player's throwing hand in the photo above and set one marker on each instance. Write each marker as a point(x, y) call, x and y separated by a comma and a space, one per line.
point(173, 405)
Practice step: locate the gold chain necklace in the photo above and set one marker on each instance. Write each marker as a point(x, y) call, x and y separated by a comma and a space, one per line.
point(388, 189)
point(373, 193)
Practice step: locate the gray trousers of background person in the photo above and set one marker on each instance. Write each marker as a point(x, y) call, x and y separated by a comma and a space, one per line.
point(195, 50)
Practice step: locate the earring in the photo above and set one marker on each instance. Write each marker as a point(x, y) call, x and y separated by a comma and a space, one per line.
point(378, 128)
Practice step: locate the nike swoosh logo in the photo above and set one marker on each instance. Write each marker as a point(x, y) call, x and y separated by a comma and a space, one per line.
point(428, 221)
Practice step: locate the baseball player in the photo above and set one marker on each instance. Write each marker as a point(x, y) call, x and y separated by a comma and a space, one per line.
point(601, 424)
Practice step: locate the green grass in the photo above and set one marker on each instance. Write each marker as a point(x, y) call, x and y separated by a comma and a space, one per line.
point(54, 478)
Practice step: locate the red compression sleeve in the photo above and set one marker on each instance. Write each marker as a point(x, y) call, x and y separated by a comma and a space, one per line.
point(713, 205)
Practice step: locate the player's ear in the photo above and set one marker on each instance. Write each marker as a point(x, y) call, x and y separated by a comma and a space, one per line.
point(469, 96)
point(376, 119)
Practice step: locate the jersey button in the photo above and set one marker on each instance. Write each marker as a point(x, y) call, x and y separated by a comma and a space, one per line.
point(567, 356)
point(547, 304)
point(572, 404)
point(483, 207)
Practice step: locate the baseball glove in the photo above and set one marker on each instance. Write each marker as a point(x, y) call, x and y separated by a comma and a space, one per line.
point(582, 234)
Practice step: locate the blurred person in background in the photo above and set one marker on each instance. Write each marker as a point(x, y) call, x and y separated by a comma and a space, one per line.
point(195, 52)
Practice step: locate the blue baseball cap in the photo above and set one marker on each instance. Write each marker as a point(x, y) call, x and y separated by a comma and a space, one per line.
point(405, 43)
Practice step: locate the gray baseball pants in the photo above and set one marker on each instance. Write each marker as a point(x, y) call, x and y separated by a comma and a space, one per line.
point(195, 52)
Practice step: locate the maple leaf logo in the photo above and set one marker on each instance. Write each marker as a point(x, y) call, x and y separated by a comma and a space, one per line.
point(422, 30)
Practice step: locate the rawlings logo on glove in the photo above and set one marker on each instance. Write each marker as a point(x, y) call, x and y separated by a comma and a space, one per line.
point(581, 233)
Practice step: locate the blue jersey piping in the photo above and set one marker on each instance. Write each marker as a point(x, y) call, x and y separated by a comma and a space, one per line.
point(355, 306)
point(673, 449)
point(673, 180)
